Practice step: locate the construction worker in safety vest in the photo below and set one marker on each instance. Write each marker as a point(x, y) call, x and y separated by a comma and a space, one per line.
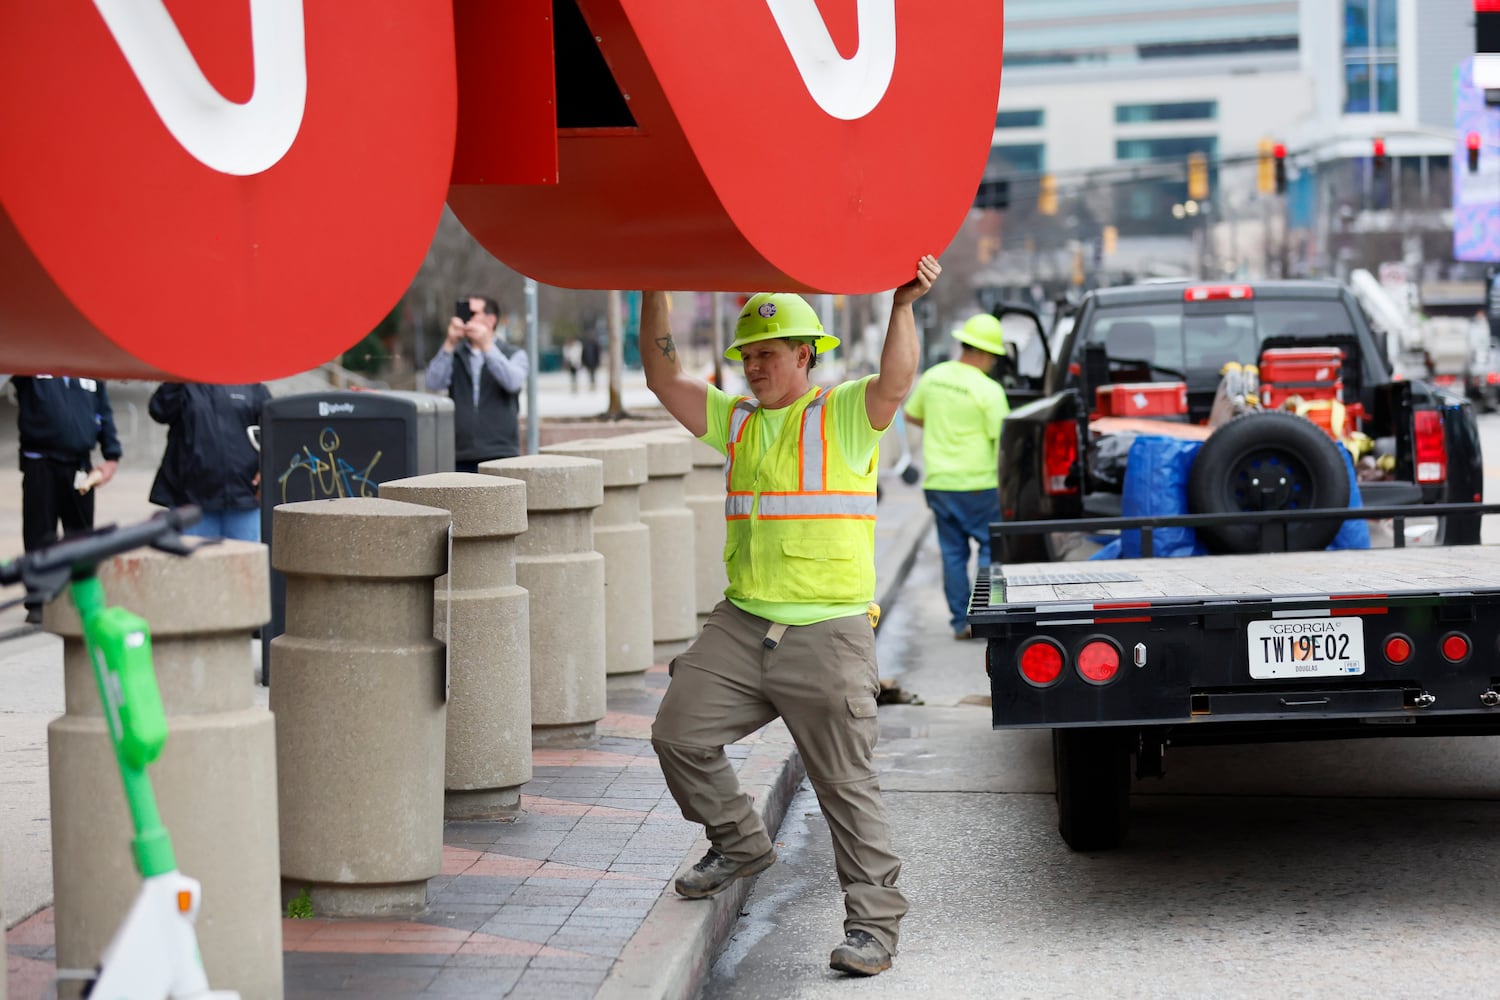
point(960, 408)
point(792, 637)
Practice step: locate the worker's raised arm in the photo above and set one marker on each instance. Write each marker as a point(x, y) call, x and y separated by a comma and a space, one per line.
point(684, 396)
point(901, 354)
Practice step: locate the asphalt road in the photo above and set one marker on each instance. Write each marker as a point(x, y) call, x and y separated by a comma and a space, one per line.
point(1321, 870)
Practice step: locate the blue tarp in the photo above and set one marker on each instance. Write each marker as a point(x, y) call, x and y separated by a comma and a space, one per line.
point(1156, 478)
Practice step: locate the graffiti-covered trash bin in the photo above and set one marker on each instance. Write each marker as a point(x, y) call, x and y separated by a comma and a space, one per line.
point(325, 445)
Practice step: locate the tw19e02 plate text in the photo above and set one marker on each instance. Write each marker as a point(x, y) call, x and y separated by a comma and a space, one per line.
point(1283, 648)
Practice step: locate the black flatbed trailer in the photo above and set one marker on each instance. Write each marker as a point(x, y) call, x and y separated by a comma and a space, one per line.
point(1122, 658)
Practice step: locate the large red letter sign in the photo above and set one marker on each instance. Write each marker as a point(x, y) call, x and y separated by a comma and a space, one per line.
point(215, 191)
point(812, 144)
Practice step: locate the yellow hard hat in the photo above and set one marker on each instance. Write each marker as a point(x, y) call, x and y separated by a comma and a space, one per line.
point(774, 315)
point(982, 331)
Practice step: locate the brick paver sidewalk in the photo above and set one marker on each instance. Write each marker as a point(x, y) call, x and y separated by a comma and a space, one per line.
point(542, 907)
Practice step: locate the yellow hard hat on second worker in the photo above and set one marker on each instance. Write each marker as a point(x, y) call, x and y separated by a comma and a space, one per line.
point(982, 331)
point(774, 315)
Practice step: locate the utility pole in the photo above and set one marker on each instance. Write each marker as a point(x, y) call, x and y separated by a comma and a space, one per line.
point(533, 354)
point(716, 343)
point(616, 321)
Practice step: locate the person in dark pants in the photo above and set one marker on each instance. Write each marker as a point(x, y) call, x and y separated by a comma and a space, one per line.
point(61, 419)
point(485, 387)
point(591, 359)
point(210, 460)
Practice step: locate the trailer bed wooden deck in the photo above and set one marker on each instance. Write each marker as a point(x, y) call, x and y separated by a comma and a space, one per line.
point(1460, 568)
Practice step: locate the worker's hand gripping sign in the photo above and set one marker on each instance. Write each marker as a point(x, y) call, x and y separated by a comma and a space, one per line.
point(239, 191)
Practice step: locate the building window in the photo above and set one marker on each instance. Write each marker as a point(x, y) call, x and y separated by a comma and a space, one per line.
point(1019, 119)
point(1177, 111)
point(1370, 56)
point(1026, 158)
point(1173, 148)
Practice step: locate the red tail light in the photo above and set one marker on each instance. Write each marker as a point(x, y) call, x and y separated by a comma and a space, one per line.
point(1212, 293)
point(1098, 661)
point(1059, 455)
point(1397, 649)
point(1041, 662)
point(1432, 452)
point(1455, 647)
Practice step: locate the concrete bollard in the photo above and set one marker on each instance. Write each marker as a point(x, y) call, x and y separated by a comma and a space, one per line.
point(215, 781)
point(489, 646)
point(664, 512)
point(359, 703)
point(625, 543)
point(557, 564)
point(705, 498)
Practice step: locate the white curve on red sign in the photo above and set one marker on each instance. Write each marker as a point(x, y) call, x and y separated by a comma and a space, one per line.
point(232, 138)
point(847, 89)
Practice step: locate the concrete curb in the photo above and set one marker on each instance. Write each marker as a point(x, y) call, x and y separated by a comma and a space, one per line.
point(669, 958)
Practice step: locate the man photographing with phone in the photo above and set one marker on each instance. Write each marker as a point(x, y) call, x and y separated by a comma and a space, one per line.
point(485, 386)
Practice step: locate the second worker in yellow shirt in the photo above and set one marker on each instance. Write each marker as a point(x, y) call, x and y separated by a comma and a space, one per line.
point(960, 408)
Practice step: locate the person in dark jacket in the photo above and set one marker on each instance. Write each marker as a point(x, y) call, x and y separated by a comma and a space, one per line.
point(485, 386)
point(61, 419)
point(211, 460)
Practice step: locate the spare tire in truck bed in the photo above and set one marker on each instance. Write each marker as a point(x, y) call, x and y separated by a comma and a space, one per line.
point(1267, 460)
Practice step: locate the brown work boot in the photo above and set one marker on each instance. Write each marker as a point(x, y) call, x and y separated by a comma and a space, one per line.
point(860, 955)
point(712, 875)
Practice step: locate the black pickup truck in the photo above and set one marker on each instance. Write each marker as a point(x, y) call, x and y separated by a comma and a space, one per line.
point(1059, 458)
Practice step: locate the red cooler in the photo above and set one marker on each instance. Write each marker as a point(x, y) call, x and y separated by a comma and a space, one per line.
point(1143, 399)
point(1309, 372)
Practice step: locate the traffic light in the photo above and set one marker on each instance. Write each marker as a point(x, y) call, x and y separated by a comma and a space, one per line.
point(1046, 198)
point(1265, 168)
point(1278, 154)
point(1377, 154)
point(993, 194)
point(1197, 179)
point(1472, 142)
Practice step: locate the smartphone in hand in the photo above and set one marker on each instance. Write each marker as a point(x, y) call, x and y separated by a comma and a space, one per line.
point(463, 310)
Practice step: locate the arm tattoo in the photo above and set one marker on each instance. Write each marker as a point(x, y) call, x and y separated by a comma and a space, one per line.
point(668, 349)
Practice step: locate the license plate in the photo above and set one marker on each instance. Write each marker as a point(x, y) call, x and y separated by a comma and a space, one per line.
point(1306, 647)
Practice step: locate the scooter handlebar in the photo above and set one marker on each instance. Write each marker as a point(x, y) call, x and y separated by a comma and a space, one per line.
point(84, 552)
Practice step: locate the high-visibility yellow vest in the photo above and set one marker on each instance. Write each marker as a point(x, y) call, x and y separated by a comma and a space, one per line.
point(800, 522)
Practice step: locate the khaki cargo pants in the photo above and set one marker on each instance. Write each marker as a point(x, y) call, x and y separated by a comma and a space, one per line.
point(821, 680)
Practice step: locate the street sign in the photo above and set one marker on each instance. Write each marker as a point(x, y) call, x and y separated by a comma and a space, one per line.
point(778, 144)
point(213, 196)
point(198, 194)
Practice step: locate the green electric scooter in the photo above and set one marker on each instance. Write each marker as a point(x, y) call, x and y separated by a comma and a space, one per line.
point(154, 953)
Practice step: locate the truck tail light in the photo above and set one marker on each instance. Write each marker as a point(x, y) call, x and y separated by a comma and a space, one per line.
point(1397, 649)
point(1432, 452)
point(1059, 455)
point(1217, 293)
point(1098, 661)
point(1455, 647)
point(1041, 662)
